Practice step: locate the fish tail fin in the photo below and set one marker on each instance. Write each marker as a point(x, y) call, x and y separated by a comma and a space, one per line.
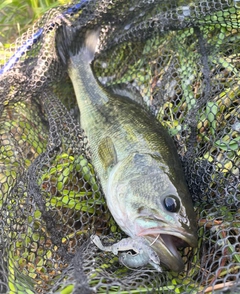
point(91, 44)
point(72, 41)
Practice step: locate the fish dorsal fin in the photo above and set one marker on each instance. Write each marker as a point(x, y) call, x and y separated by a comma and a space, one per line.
point(107, 152)
point(127, 91)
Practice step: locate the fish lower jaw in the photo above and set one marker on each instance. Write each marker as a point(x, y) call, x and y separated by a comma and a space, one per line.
point(168, 241)
point(167, 251)
point(171, 243)
point(166, 244)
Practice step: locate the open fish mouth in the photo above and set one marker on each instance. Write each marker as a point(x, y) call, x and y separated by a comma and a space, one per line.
point(166, 243)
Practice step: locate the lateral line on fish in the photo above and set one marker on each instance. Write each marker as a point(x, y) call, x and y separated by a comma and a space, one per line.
point(146, 175)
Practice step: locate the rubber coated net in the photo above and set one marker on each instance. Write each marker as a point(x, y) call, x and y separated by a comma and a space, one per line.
point(183, 57)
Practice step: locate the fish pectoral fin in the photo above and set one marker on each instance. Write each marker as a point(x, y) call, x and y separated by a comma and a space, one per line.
point(107, 152)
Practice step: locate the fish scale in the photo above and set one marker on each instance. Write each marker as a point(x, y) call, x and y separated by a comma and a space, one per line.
point(136, 161)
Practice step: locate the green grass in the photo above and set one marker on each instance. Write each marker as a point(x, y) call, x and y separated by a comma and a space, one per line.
point(221, 151)
point(16, 16)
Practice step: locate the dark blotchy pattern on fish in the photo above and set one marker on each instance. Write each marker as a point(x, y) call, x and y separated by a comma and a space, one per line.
point(135, 159)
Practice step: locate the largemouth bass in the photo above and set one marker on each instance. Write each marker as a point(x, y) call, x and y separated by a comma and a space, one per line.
point(136, 161)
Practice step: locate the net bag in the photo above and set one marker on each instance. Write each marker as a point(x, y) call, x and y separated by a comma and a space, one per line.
point(183, 58)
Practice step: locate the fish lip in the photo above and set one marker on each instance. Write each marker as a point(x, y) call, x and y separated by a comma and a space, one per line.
point(166, 242)
point(189, 238)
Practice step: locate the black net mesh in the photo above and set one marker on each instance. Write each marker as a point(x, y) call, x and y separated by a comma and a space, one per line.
point(183, 57)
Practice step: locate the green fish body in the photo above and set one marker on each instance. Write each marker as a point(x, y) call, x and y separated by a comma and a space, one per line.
point(137, 163)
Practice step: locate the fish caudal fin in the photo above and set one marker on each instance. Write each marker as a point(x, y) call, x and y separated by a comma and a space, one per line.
point(73, 41)
point(91, 44)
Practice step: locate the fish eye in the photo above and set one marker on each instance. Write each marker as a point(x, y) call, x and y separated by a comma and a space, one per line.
point(172, 204)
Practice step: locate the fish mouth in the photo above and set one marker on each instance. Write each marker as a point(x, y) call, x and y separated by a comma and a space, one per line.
point(166, 243)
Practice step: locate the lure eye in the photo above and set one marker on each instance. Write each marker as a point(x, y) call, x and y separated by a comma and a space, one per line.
point(171, 203)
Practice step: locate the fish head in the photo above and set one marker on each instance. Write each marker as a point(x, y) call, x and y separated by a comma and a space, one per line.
point(146, 200)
